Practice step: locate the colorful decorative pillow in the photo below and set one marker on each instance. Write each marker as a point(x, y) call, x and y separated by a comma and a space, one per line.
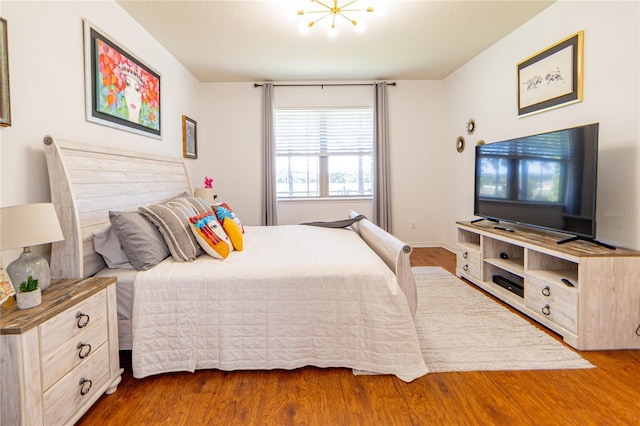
point(225, 215)
point(140, 240)
point(172, 220)
point(210, 235)
point(234, 232)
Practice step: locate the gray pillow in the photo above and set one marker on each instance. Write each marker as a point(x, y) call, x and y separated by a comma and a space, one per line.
point(200, 205)
point(139, 238)
point(172, 219)
point(107, 244)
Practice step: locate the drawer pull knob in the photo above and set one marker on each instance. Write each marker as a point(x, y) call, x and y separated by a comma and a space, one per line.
point(465, 254)
point(84, 350)
point(546, 310)
point(546, 291)
point(465, 267)
point(83, 320)
point(85, 386)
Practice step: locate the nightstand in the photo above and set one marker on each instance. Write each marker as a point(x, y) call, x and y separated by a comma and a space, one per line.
point(59, 357)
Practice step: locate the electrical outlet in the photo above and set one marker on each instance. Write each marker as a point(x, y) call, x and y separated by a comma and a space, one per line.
point(413, 225)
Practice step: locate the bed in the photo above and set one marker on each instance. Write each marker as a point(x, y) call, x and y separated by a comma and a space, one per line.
point(296, 295)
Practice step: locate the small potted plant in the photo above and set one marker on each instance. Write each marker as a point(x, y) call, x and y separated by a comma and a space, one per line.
point(29, 294)
point(207, 191)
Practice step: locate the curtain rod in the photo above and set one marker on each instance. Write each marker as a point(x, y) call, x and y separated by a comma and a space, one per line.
point(322, 85)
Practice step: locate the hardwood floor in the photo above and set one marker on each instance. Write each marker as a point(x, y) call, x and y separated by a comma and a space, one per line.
point(606, 395)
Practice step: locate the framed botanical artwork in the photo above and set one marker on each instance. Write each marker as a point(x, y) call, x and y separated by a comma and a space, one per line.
point(121, 91)
point(5, 105)
point(189, 137)
point(551, 78)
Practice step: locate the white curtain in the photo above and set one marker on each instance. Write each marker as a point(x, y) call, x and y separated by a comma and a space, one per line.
point(270, 201)
point(382, 181)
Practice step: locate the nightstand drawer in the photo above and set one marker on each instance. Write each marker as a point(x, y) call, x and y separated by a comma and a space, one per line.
point(65, 398)
point(76, 350)
point(72, 322)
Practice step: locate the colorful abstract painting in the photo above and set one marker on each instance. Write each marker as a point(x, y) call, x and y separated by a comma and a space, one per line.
point(124, 91)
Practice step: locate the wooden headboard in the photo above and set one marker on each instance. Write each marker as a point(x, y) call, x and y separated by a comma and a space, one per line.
point(87, 181)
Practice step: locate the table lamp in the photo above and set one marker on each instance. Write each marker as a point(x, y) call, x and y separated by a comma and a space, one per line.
point(25, 226)
point(206, 193)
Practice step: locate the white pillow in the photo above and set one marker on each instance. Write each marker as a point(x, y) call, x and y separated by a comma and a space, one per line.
point(107, 244)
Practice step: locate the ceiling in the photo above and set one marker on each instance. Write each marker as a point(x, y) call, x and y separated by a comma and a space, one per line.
point(244, 40)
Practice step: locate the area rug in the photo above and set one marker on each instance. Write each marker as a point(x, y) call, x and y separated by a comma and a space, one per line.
point(461, 329)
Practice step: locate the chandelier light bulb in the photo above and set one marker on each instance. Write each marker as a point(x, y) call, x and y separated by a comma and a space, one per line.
point(332, 31)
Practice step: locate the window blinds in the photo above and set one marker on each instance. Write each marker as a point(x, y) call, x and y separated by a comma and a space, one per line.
point(324, 132)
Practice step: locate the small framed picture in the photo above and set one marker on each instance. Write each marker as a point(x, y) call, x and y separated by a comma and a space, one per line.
point(5, 105)
point(189, 137)
point(551, 78)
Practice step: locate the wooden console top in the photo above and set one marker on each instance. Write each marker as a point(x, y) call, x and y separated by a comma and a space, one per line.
point(548, 240)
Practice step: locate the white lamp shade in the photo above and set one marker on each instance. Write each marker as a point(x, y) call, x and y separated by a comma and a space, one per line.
point(29, 225)
point(206, 193)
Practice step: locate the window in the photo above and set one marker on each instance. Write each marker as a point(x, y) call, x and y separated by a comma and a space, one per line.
point(326, 152)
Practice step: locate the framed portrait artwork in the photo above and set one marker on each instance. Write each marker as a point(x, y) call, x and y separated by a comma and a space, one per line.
point(5, 105)
point(121, 91)
point(189, 137)
point(551, 78)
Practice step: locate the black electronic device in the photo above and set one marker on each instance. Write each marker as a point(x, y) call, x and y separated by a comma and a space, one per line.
point(546, 180)
point(567, 282)
point(502, 228)
point(511, 285)
point(504, 256)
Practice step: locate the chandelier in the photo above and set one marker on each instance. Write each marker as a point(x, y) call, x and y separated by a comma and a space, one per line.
point(334, 11)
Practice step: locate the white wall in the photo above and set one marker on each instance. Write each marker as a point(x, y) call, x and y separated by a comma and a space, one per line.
point(230, 146)
point(485, 89)
point(419, 185)
point(47, 90)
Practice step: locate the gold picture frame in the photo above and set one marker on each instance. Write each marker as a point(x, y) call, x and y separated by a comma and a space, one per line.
point(553, 77)
point(189, 137)
point(5, 103)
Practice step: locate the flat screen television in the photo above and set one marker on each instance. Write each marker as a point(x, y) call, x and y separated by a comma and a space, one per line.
point(546, 180)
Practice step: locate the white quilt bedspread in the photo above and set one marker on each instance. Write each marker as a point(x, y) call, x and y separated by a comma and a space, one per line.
point(295, 296)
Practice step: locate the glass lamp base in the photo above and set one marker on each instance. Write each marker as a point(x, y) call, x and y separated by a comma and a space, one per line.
point(29, 264)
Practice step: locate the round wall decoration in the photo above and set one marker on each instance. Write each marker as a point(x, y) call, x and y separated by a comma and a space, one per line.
point(471, 126)
point(460, 144)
